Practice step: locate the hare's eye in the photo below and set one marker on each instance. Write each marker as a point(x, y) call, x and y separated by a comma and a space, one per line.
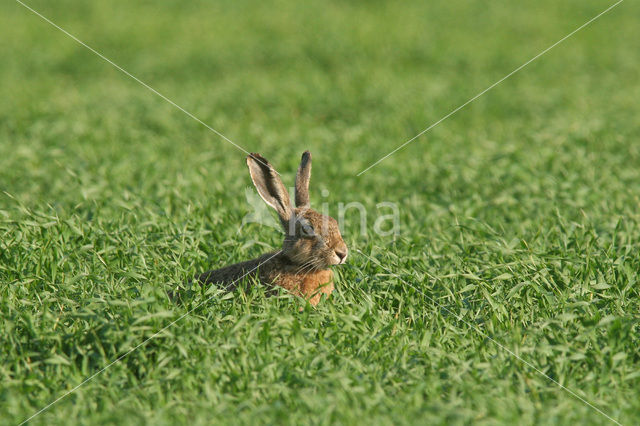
point(306, 229)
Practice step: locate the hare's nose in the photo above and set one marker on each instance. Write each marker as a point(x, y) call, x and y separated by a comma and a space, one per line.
point(342, 254)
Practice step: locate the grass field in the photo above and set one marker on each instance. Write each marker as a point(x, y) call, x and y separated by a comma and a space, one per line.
point(519, 215)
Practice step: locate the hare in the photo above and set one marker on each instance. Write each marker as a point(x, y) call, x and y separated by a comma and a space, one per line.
point(312, 241)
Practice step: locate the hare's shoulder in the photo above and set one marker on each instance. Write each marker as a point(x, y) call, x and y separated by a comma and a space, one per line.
point(309, 285)
point(317, 283)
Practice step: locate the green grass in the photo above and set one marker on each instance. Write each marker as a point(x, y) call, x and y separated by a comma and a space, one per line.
point(519, 214)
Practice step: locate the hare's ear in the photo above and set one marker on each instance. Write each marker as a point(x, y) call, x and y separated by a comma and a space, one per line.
point(269, 186)
point(302, 180)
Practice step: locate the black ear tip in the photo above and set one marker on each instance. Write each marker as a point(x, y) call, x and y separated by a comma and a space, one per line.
point(306, 156)
point(258, 159)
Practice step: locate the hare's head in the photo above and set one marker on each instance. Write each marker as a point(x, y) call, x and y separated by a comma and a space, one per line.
point(312, 240)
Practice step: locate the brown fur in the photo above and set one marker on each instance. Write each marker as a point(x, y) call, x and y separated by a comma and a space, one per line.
point(273, 269)
point(312, 241)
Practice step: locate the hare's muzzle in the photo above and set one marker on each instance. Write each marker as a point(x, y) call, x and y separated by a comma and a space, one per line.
point(341, 254)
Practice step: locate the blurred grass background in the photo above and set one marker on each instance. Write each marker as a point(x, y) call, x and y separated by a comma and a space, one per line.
point(519, 213)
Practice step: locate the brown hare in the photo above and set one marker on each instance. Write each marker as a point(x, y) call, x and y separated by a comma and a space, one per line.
point(312, 241)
